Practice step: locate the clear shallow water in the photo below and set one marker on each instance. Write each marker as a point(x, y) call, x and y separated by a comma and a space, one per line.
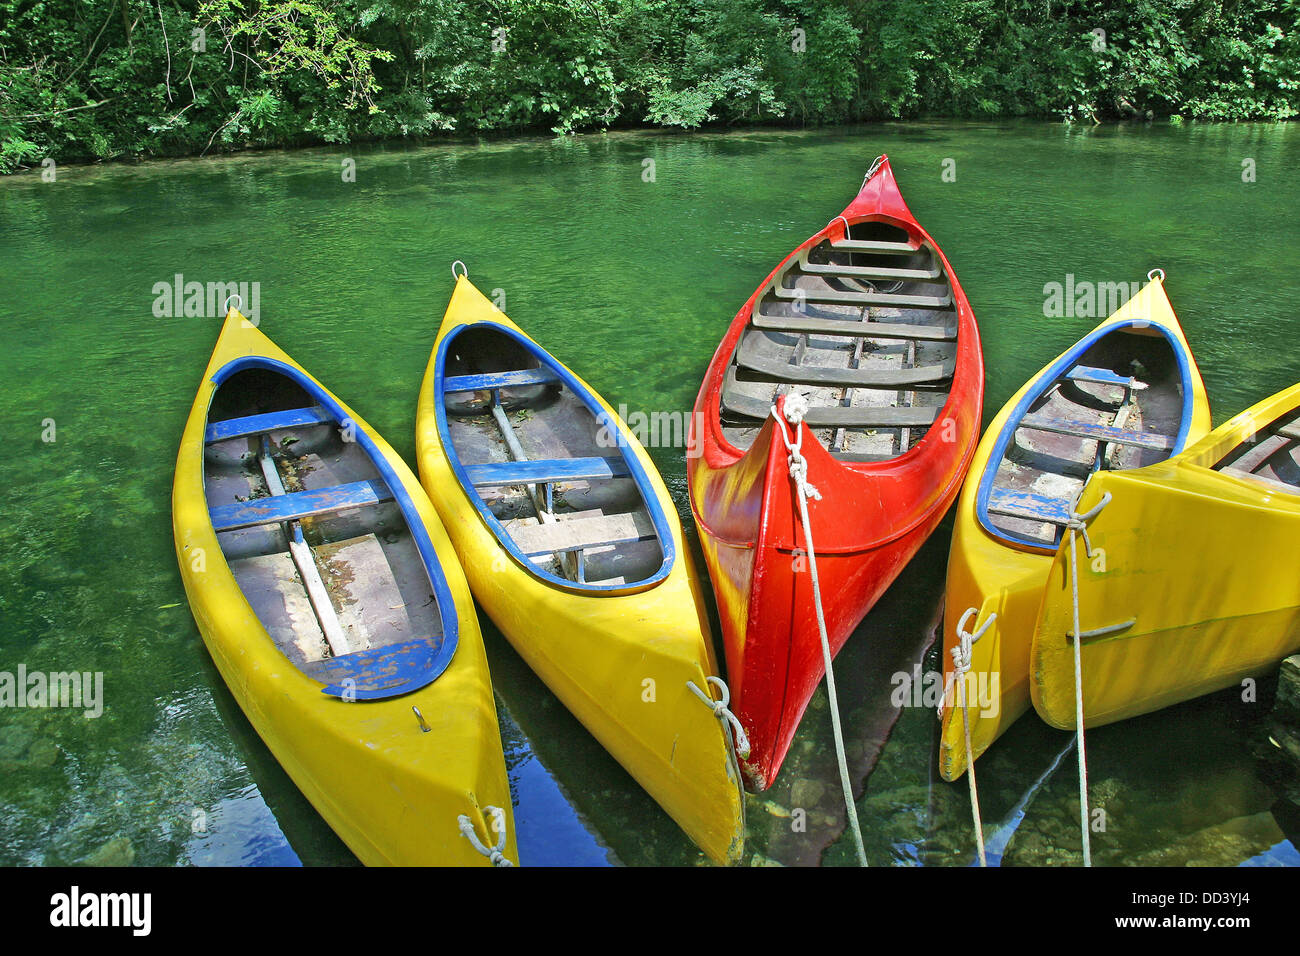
point(631, 283)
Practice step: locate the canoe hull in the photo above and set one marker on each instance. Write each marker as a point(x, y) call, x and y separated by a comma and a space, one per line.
point(871, 519)
point(1200, 561)
point(392, 792)
point(620, 662)
point(993, 576)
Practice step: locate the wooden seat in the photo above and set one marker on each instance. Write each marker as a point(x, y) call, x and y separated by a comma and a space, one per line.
point(268, 422)
point(869, 272)
point(476, 383)
point(750, 355)
point(300, 504)
point(864, 298)
point(1098, 432)
point(742, 398)
point(853, 328)
point(874, 245)
point(545, 471)
point(1032, 507)
point(1102, 376)
point(1291, 431)
point(577, 533)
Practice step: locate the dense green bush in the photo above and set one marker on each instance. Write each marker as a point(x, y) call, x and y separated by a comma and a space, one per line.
point(118, 78)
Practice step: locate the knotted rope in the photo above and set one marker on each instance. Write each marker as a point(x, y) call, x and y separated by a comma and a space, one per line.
point(1079, 523)
point(796, 406)
point(495, 853)
point(961, 666)
point(721, 710)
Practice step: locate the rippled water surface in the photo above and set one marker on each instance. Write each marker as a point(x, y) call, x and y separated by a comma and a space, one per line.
point(631, 283)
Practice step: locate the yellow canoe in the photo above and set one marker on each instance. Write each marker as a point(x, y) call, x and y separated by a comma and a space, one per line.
point(573, 546)
point(1127, 395)
point(335, 609)
point(1193, 583)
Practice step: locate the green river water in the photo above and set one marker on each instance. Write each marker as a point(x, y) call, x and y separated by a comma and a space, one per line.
point(631, 283)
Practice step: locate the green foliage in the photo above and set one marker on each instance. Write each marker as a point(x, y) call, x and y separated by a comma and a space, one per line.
point(122, 78)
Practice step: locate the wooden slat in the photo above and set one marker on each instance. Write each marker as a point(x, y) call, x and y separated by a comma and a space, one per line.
point(868, 272)
point(1290, 430)
point(1102, 376)
point(301, 504)
point(544, 470)
point(872, 245)
point(864, 298)
point(853, 328)
point(573, 534)
point(748, 356)
point(300, 551)
point(1024, 504)
point(477, 383)
point(1098, 432)
point(261, 424)
point(839, 416)
point(1264, 480)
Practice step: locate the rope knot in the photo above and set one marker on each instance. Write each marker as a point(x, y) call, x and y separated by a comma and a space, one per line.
point(493, 853)
point(722, 711)
point(796, 407)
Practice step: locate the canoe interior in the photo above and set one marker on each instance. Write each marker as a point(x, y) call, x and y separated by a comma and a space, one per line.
point(866, 329)
point(1118, 405)
point(345, 593)
point(1270, 457)
point(582, 519)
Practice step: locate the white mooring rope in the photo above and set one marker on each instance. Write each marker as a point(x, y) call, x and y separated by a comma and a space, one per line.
point(1079, 523)
point(796, 406)
point(494, 854)
point(961, 665)
point(721, 710)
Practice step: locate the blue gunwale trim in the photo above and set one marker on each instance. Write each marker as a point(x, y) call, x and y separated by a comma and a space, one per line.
point(1042, 383)
point(603, 418)
point(440, 657)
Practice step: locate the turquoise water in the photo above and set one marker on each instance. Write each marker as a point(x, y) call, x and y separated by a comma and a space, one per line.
point(631, 283)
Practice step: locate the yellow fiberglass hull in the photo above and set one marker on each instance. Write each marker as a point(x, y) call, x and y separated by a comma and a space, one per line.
point(1201, 562)
point(391, 791)
point(996, 577)
point(620, 661)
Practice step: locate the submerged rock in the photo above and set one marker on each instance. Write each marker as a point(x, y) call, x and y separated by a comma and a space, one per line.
point(806, 792)
point(116, 852)
point(14, 740)
point(42, 754)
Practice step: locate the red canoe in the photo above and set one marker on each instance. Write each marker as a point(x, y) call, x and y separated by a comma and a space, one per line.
point(868, 322)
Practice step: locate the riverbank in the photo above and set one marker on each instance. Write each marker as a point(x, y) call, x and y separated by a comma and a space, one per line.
point(120, 79)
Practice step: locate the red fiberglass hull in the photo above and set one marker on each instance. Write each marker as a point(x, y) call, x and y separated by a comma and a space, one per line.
point(869, 522)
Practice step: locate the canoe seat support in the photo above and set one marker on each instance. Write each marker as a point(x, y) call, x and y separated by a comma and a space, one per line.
point(1029, 506)
point(545, 470)
point(300, 504)
point(493, 380)
point(269, 422)
point(1098, 432)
